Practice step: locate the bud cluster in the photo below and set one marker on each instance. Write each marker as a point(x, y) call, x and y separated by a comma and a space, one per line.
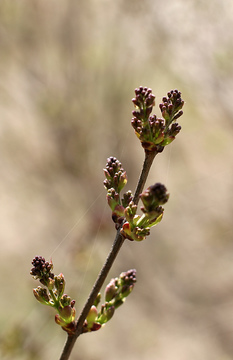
point(134, 227)
point(53, 293)
point(42, 270)
point(115, 294)
point(138, 227)
point(116, 179)
point(155, 133)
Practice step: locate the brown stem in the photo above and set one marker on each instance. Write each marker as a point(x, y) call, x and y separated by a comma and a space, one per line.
point(118, 242)
point(70, 341)
point(149, 157)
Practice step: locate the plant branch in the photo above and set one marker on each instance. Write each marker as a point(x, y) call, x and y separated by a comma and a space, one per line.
point(118, 242)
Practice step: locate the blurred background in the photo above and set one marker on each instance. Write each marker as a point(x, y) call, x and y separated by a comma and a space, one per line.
point(68, 70)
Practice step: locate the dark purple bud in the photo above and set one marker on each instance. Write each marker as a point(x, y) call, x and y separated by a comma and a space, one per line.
point(42, 270)
point(154, 196)
point(136, 102)
point(170, 108)
point(150, 100)
point(180, 113)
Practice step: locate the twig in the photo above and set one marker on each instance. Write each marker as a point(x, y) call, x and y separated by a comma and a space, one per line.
point(149, 157)
point(94, 292)
point(118, 242)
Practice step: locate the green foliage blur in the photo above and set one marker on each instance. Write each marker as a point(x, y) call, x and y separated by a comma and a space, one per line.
point(68, 70)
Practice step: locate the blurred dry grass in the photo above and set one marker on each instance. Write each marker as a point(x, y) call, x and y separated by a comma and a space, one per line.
point(67, 74)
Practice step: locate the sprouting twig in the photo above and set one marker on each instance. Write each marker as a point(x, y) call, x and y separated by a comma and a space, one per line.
point(118, 242)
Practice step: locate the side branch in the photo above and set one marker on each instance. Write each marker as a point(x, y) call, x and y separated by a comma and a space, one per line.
point(118, 242)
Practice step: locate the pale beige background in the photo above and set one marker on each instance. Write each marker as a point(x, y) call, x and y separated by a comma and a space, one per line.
point(68, 70)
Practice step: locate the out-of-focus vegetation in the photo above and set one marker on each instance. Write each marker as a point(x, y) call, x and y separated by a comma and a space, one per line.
point(68, 70)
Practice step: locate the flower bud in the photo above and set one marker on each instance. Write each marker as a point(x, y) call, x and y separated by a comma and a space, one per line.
point(127, 198)
point(67, 313)
point(65, 300)
point(49, 283)
point(155, 135)
point(154, 196)
point(110, 290)
point(42, 270)
point(130, 211)
point(41, 295)
point(116, 177)
point(112, 198)
point(126, 231)
point(128, 277)
point(140, 234)
point(126, 290)
point(118, 302)
point(92, 315)
point(59, 283)
point(97, 300)
point(106, 314)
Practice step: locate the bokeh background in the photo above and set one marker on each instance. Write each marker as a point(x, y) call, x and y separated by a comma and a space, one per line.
point(68, 70)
